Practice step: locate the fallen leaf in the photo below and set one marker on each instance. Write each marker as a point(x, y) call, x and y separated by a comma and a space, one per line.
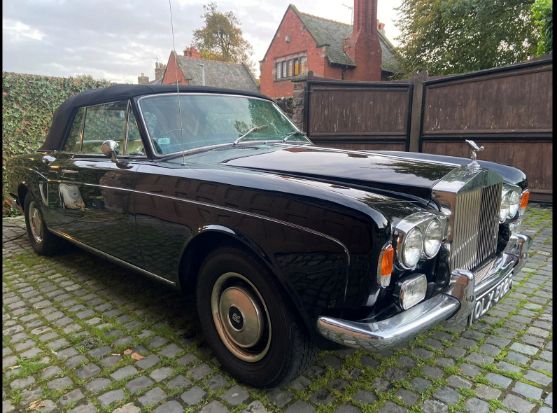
point(128, 352)
point(137, 356)
point(37, 404)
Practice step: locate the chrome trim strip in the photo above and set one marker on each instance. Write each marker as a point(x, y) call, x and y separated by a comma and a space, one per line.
point(205, 204)
point(111, 257)
point(392, 331)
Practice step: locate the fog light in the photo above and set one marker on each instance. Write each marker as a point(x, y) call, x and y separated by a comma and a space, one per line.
point(412, 291)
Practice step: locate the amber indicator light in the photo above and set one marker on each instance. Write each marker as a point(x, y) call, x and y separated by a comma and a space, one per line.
point(524, 199)
point(387, 261)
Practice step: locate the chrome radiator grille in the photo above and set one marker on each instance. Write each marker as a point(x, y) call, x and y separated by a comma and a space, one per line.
point(475, 226)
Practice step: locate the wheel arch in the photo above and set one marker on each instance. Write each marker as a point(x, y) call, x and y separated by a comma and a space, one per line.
point(215, 236)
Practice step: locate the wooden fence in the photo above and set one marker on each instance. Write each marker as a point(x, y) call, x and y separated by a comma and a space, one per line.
point(508, 110)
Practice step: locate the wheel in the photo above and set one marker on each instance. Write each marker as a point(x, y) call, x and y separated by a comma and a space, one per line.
point(247, 322)
point(42, 240)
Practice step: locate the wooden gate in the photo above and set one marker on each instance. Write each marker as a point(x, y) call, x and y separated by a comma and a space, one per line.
point(508, 110)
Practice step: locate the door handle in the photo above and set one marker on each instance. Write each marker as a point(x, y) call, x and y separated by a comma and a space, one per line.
point(69, 171)
point(47, 159)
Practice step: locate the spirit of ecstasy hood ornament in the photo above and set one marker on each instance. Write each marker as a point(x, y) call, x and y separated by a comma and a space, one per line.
point(474, 165)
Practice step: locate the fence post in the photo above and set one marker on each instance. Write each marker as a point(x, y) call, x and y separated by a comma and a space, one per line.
point(416, 111)
point(300, 102)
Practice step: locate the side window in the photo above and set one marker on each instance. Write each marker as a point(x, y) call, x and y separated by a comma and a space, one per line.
point(73, 144)
point(135, 145)
point(102, 122)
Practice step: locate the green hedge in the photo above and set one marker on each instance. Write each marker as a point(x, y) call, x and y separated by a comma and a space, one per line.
point(28, 103)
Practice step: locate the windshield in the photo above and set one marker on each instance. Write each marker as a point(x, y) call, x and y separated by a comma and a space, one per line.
point(182, 122)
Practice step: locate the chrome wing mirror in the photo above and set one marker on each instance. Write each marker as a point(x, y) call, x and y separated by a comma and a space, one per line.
point(110, 149)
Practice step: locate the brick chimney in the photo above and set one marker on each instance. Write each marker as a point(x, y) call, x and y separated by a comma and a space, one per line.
point(159, 70)
point(363, 46)
point(142, 79)
point(192, 53)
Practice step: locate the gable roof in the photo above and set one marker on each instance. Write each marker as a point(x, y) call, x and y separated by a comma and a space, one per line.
point(332, 34)
point(217, 73)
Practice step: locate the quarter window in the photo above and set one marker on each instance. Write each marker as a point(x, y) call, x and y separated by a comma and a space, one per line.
point(93, 125)
point(134, 146)
point(103, 122)
point(73, 144)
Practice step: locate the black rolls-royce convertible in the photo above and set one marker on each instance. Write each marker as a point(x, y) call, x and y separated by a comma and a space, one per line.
point(286, 246)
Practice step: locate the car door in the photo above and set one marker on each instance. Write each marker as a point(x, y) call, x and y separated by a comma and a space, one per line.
point(94, 191)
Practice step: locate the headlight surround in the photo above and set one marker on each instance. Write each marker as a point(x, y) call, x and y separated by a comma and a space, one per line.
point(411, 248)
point(419, 235)
point(433, 238)
point(510, 202)
point(514, 201)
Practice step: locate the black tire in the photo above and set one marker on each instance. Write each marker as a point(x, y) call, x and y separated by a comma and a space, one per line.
point(288, 349)
point(47, 243)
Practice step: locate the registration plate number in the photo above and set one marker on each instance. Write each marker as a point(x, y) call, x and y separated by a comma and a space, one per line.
point(491, 297)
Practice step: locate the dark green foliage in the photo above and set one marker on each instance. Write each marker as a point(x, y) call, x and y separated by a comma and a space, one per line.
point(542, 12)
point(456, 36)
point(28, 103)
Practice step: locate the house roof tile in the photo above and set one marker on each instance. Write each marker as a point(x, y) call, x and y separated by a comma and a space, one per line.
point(332, 34)
point(217, 73)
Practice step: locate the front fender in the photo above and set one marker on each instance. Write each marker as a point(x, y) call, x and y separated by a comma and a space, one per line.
point(310, 267)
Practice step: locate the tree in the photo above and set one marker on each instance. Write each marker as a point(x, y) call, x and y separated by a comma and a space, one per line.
point(221, 37)
point(456, 36)
point(542, 13)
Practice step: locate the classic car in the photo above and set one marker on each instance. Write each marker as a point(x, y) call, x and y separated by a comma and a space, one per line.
point(286, 246)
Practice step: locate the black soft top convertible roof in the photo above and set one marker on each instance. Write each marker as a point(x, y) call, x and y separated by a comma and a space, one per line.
point(66, 110)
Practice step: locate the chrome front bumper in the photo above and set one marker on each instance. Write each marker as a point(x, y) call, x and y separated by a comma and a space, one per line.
point(456, 302)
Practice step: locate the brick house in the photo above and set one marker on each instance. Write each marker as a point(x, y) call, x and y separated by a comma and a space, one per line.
point(191, 69)
point(329, 49)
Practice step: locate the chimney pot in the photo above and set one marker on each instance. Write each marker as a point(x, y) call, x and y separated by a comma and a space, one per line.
point(192, 53)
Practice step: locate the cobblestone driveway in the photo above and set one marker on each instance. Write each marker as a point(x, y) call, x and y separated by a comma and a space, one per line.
point(83, 335)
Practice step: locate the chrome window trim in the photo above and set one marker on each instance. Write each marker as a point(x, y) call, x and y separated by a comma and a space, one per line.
point(190, 151)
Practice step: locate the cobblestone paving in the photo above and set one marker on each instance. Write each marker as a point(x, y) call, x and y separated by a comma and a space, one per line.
point(83, 335)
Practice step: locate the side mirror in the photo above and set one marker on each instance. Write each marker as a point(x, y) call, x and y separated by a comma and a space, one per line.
point(109, 148)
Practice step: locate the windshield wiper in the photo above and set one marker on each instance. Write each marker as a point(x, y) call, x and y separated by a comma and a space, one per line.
point(254, 129)
point(296, 132)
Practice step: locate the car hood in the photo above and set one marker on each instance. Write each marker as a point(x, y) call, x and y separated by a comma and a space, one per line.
point(392, 174)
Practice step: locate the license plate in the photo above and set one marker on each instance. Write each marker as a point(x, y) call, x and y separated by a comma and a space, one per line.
point(491, 297)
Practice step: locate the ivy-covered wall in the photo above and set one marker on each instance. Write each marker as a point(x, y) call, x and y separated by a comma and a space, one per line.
point(28, 103)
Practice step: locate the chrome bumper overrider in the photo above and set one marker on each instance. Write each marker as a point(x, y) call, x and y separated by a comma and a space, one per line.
point(456, 302)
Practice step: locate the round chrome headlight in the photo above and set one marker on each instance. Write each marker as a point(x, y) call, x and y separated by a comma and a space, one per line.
point(505, 206)
point(411, 249)
point(433, 238)
point(514, 203)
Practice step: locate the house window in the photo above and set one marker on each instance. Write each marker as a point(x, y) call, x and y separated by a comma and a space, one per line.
point(290, 67)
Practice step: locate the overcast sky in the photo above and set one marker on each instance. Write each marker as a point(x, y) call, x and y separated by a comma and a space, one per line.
point(116, 40)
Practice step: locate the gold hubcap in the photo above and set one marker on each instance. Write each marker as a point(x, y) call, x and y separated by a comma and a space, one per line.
point(241, 317)
point(35, 222)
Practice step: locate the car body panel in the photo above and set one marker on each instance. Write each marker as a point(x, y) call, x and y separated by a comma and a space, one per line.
point(317, 217)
